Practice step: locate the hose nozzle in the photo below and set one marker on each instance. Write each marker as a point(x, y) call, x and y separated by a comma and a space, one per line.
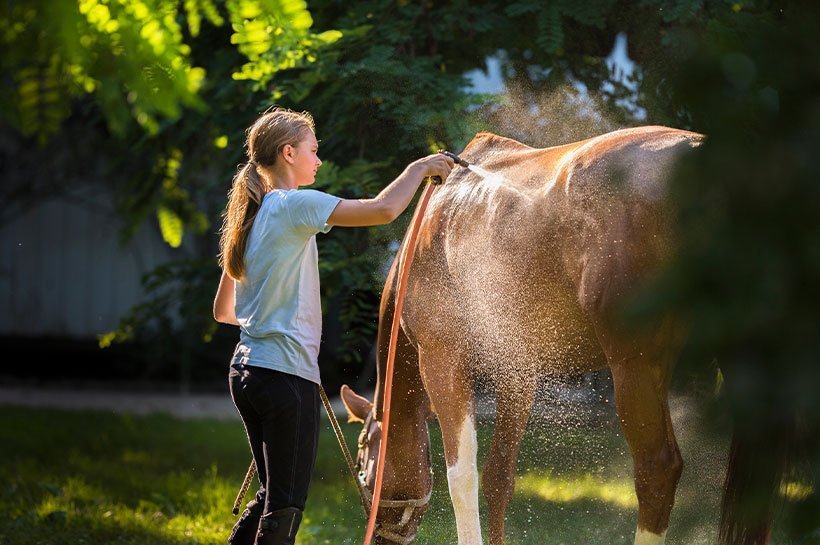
point(459, 161)
point(436, 180)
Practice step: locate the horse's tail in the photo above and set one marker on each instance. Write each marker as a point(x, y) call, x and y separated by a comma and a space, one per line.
point(758, 461)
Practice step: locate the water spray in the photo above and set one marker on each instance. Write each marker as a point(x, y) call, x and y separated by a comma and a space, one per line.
point(486, 175)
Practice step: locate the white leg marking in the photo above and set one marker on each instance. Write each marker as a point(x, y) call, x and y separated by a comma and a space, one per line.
point(462, 479)
point(644, 537)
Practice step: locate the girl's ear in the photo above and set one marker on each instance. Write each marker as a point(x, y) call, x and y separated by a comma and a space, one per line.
point(288, 153)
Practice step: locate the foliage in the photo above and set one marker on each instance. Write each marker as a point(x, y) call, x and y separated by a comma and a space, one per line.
point(549, 19)
point(745, 277)
point(134, 57)
point(130, 55)
point(274, 35)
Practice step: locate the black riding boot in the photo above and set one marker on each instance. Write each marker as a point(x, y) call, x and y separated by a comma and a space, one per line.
point(279, 527)
point(244, 531)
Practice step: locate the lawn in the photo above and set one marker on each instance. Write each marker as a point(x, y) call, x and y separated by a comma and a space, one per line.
point(84, 477)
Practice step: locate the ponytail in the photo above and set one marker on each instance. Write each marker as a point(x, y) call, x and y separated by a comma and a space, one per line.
point(244, 199)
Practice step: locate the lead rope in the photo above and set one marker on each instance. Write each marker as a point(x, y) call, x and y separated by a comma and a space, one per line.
point(244, 488)
point(342, 444)
point(404, 266)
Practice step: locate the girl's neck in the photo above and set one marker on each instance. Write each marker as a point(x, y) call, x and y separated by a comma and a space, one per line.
point(275, 179)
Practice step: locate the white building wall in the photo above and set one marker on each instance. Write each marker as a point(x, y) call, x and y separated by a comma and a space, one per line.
point(64, 272)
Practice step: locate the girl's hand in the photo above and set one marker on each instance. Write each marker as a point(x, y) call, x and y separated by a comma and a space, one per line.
point(434, 165)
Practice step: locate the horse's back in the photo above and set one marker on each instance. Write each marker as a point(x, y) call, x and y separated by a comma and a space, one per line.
point(635, 162)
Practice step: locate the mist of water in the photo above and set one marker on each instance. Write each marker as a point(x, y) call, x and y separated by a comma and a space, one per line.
point(542, 117)
point(489, 177)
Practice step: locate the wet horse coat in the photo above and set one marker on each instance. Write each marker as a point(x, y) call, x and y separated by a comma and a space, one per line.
point(517, 276)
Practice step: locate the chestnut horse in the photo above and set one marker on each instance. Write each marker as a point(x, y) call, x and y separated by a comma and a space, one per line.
point(518, 275)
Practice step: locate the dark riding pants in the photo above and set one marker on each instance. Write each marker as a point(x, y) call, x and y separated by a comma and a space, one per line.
point(281, 417)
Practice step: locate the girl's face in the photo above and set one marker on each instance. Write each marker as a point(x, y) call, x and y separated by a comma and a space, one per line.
point(306, 160)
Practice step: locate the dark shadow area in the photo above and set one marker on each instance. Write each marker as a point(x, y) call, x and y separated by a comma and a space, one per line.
point(81, 363)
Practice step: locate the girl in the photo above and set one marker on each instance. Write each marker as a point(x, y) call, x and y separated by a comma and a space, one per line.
point(270, 289)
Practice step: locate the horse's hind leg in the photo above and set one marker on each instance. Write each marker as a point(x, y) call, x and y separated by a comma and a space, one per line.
point(641, 397)
point(513, 406)
point(450, 391)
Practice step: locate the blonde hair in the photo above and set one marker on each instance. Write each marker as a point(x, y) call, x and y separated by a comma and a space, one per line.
point(265, 140)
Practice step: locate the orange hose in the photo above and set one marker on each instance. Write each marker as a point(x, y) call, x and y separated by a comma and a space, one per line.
point(406, 258)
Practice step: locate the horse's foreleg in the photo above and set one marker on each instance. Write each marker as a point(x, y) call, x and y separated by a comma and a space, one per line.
point(641, 398)
point(451, 395)
point(498, 477)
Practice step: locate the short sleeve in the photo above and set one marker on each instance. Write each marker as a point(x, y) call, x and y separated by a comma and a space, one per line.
point(310, 209)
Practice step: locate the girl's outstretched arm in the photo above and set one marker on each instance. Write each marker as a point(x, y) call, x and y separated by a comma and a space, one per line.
point(393, 199)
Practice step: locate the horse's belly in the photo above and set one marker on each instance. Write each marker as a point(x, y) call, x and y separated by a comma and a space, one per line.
point(534, 330)
point(504, 322)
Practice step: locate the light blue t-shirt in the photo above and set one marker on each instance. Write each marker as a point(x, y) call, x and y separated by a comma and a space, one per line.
point(277, 302)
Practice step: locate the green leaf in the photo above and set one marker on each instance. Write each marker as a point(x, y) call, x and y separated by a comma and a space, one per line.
point(329, 36)
point(171, 226)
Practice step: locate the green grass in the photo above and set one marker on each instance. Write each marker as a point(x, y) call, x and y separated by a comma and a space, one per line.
point(84, 477)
